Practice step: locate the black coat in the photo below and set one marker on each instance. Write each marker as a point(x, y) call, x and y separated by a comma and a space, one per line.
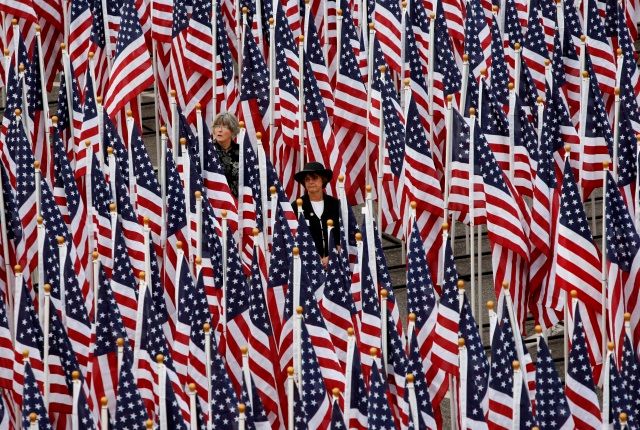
point(317, 225)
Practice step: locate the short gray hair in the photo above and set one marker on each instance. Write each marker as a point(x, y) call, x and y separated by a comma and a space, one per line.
point(229, 120)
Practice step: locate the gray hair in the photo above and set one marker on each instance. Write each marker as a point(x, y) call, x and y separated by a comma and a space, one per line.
point(229, 120)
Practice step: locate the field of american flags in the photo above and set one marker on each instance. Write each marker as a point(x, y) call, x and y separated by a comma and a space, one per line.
point(533, 271)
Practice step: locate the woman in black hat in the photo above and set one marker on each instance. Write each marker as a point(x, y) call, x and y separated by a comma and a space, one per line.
point(317, 206)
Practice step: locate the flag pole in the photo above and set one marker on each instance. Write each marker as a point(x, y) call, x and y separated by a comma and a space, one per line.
point(472, 215)
point(5, 248)
point(540, 103)
point(120, 357)
point(100, 110)
point(193, 412)
point(175, 124)
point(111, 168)
point(370, 79)
point(637, 193)
point(199, 222)
point(264, 201)
point(272, 219)
point(297, 312)
point(606, 398)
point(403, 48)
point(68, 80)
point(272, 88)
point(381, 152)
point(176, 278)
point(142, 290)
point(17, 270)
point(517, 391)
point(104, 413)
point(200, 135)
point(242, 417)
point(301, 142)
point(225, 253)
point(290, 399)
point(493, 320)
point(241, 143)
point(96, 283)
point(162, 391)
point(156, 97)
point(75, 381)
point(515, 327)
point(132, 176)
point(384, 327)
point(462, 383)
point(616, 132)
point(297, 345)
point(207, 354)
point(214, 61)
point(62, 260)
point(413, 403)
point(162, 171)
point(186, 173)
point(512, 126)
point(518, 66)
point(246, 372)
point(351, 349)
point(604, 298)
point(45, 351)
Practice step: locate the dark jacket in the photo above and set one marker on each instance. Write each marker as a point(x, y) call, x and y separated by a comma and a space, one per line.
point(318, 226)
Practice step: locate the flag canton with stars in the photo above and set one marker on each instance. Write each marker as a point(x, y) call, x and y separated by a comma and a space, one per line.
point(186, 294)
point(512, 26)
point(393, 126)
point(415, 63)
point(25, 182)
point(142, 167)
point(180, 17)
point(421, 298)
point(315, 110)
point(503, 353)
point(176, 217)
point(552, 407)
point(579, 366)
point(597, 121)
point(474, 22)
point(572, 214)
point(461, 136)
point(152, 337)
point(445, 63)
point(524, 132)
point(101, 192)
point(494, 121)
point(534, 38)
point(255, 75)
point(52, 219)
point(64, 175)
point(314, 393)
point(28, 330)
point(282, 245)
point(499, 68)
point(627, 151)
point(286, 46)
point(620, 398)
point(14, 232)
point(308, 254)
point(97, 27)
point(259, 314)
point(477, 363)
point(252, 179)
point(631, 374)
point(421, 386)
point(130, 411)
point(32, 401)
point(594, 26)
point(109, 325)
point(223, 397)
point(348, 62)
point(33, 80)
point(237, 289)
point(379, 414)
point(623, 241)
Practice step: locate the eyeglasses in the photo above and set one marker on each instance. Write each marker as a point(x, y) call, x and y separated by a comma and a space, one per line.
point(222, 126)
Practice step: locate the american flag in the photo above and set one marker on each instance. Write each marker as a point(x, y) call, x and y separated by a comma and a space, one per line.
point(350, 117)
point(9, 146)
point(444, 352)
point(315, 401)
point(599, 49)
point(447, 80)
point(148, 196)
point(152, 343)
point(627, 155)
point(501, 383)
point(623, 257)
point(598, 137)
point(415, 66)
point(379, 412)
point(628, 73)
point(499, 73)
point(337, 306)
point(513, 33)
point(356, 408)
point(72, 205)
point(337, 420)
point(103, 368)
point(534, 49)
point(421, 301)
point(65, 293)
point(396, 370)
point(62, 358)
point(238, 322)
point(629, 370)
point(313, 51)
point(129, 410)
point(426, 415)
point(620, 397)
point(254, 90)
point(102, 197)
point(185, 288)
point(477, 42)
point(495, 126)
point(552, 408)
point(309, 256)
point(506, 211)
point(32, 401)
point(69, 114)
point(577, 259)
point(370, 317)
point(131, 61)
point(37, 121)
point(579, 382)
point(263, 352)
point(222, 406)
point(28, 337)
point(255, 417)
point(387, 18)
point(90, 131)
point(7, 353)
point(478, 369)
point(525, 150)
point(80, 36)
point(572, 64)
point(25, 188)
point(175, 230)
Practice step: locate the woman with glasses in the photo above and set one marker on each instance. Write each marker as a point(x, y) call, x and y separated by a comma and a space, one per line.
point(225, 131)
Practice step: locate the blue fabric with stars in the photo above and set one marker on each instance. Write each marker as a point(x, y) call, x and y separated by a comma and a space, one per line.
point(572, 213)
point(623, 241)
point(379, 413)
point(552, 408)
point(255, 75)
point(32, 401)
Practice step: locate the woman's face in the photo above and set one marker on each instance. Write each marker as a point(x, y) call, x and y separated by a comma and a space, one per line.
point(313, 183)
point(222, 134)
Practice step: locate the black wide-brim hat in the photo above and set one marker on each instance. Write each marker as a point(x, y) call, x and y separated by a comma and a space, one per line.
point(314, 167)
